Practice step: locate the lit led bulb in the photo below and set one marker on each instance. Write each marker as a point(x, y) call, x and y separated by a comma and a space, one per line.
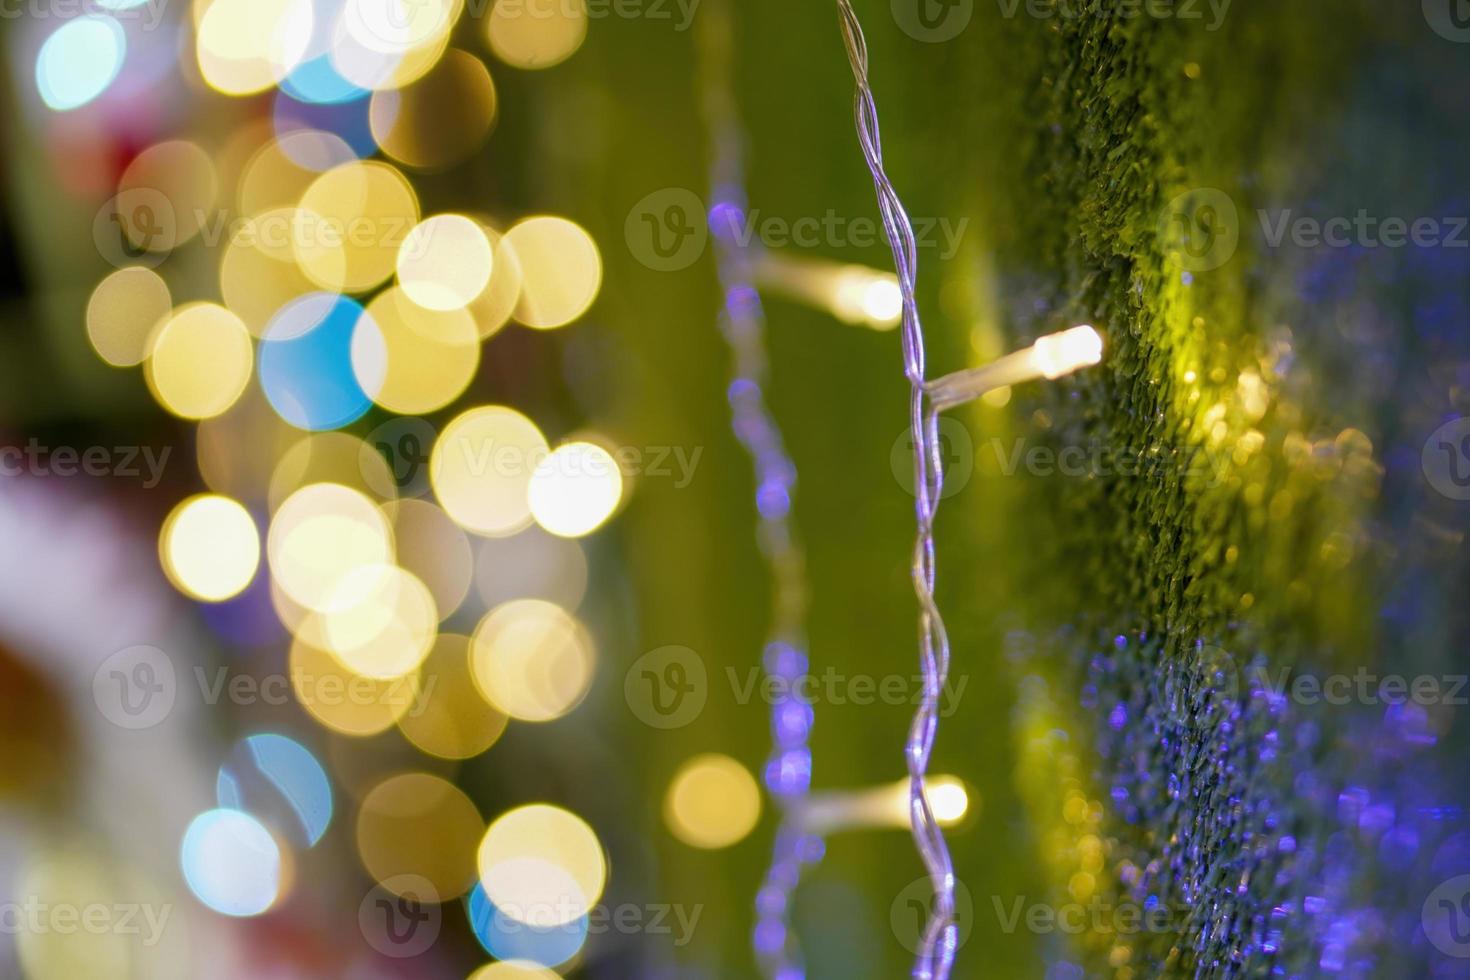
point(1068, 351)
point(882, 806)
point(1051, 357)
point(854, 294)
point(865, 296)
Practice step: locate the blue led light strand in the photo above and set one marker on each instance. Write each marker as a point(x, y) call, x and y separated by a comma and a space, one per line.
point(742, 321)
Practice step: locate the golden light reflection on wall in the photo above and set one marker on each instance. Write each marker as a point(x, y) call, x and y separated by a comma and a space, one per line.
point(575, 489)
point(537, 33)
point(210, 547)
point(481, 467)
point(440, 119)
point(350, 224)
point(416, 360)
point(247, 46)
point(418, 824)
point(445, 263)
point(713, 802)
point(561, 271)
point(166, 195)
point(451, 720)
point(344, 702)
point(435, 549)
point(542, 865)
point(321, 534)
point(200, 362)
point(532, 659)
point(124, 312)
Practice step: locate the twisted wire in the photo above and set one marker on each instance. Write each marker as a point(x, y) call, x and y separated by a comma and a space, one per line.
point(742, 322)
point(935, 956)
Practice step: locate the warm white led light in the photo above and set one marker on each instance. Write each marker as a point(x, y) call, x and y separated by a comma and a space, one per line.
point(1050, 357)
point(882, 807)
point(1068, 351)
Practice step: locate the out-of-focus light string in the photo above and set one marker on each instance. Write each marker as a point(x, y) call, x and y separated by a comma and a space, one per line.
point(788, 772)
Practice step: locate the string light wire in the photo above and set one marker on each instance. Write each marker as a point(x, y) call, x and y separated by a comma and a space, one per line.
point(742, 321)
point(935, 956)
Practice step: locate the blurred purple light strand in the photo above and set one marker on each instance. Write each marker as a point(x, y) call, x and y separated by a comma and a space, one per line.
point(788, 771)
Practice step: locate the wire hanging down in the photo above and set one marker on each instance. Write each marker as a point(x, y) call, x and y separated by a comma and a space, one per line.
point(789, 769)
point(935, 957)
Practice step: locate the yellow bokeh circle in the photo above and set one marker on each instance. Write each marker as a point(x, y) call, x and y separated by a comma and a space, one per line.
point(561, 271)
point(713, 802)
point(201, 361)
point(351, 223)
point(532, 659)
point(542, 866)
point(210, 547)
point(481, 469)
